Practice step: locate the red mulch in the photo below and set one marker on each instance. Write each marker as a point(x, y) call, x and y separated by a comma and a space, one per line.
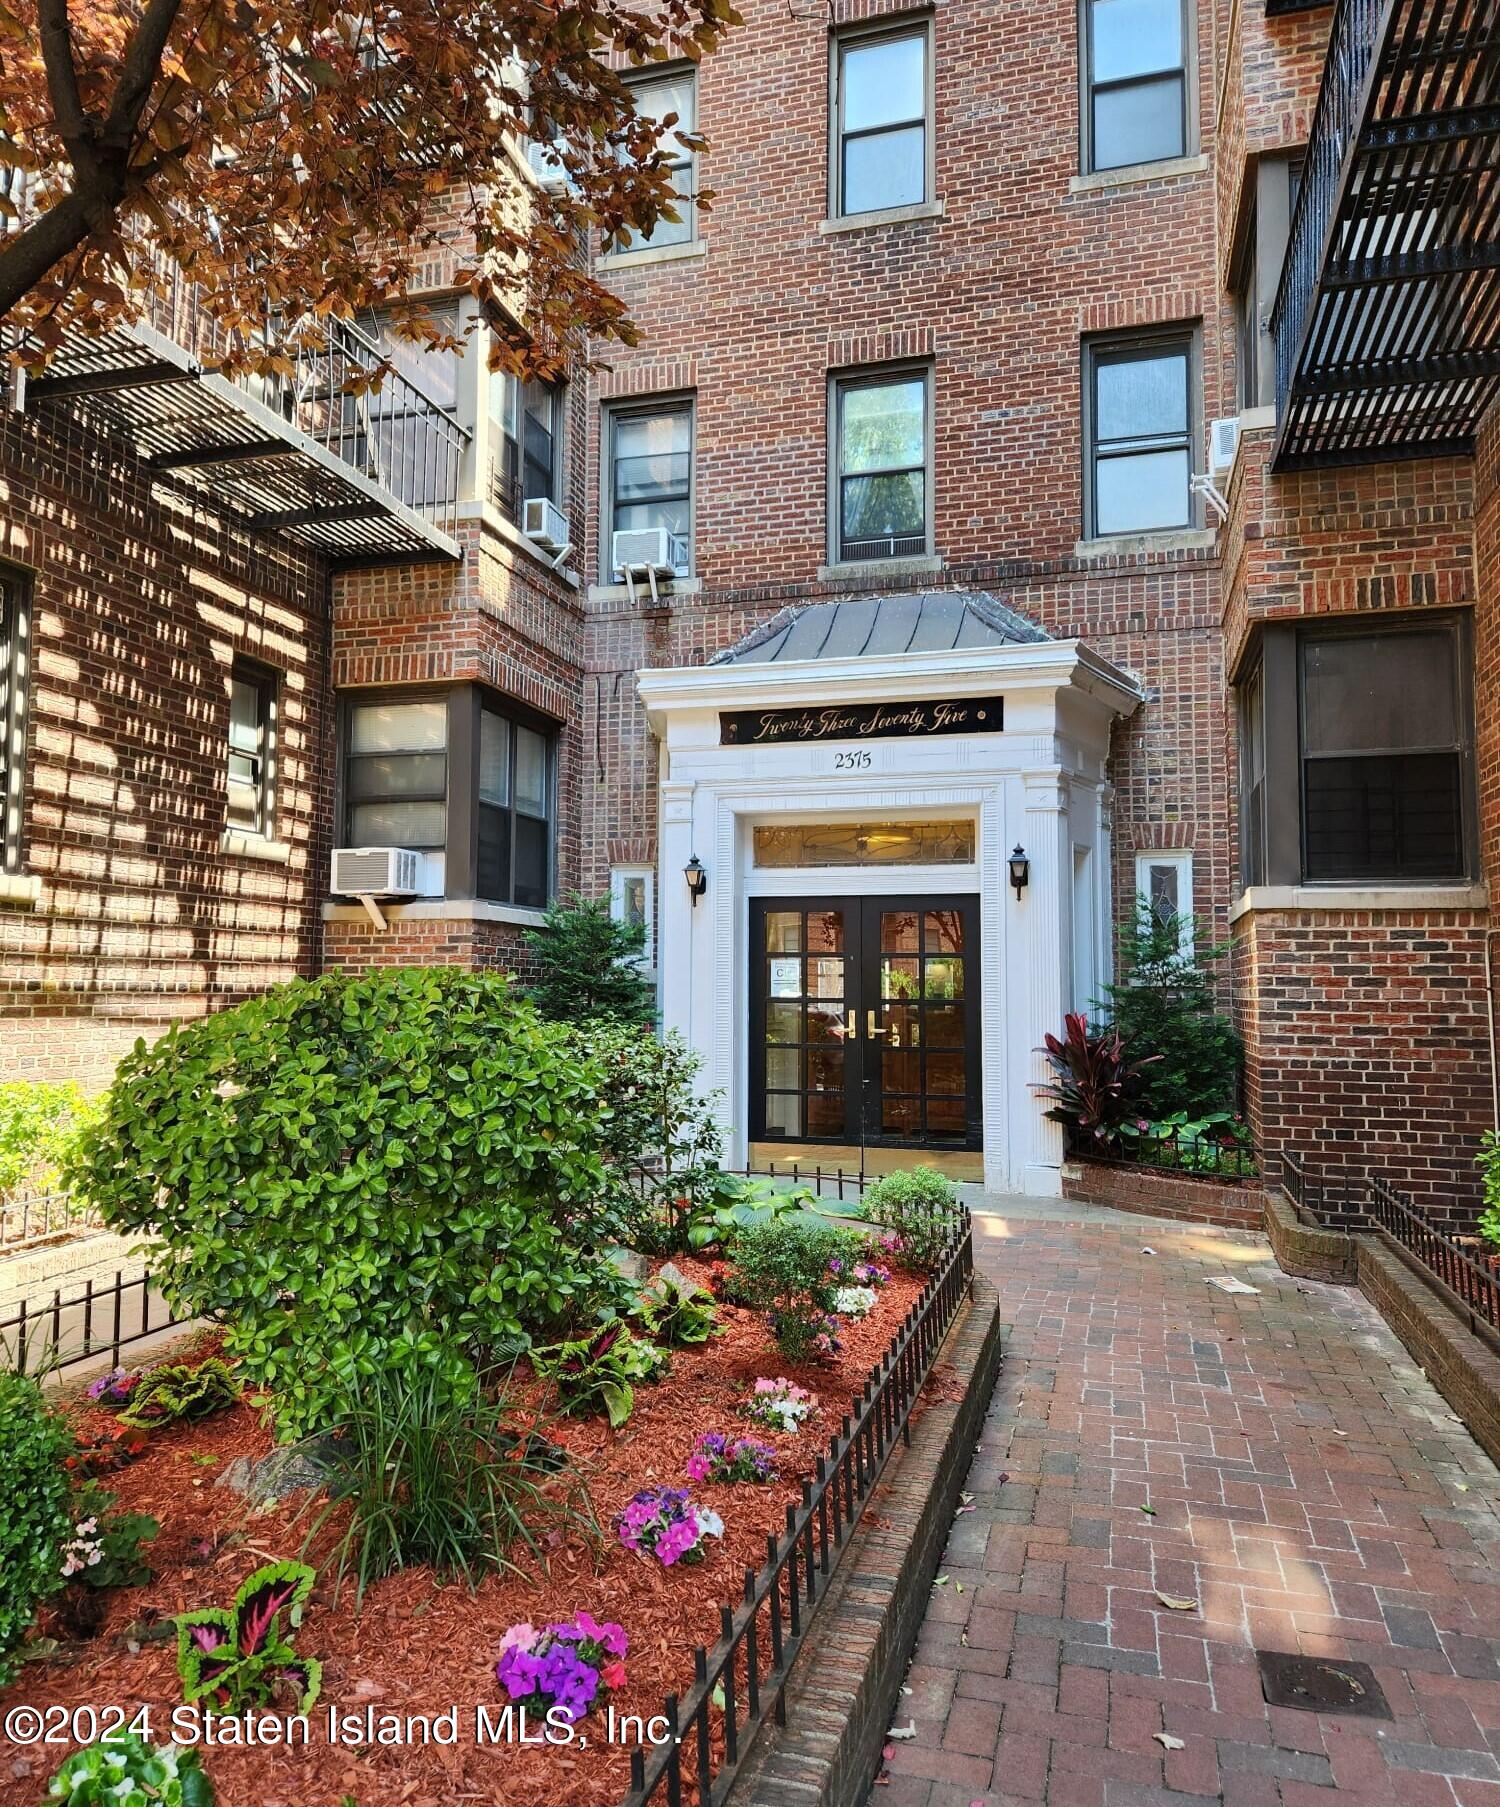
point(420, 1647)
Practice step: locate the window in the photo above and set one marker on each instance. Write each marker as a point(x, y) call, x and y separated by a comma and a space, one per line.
point(514, 810)
point(1259, 262)
point(883, 140)
point(1164, 880)
point(374, 430)
point(14, 668)
point(632, 900)
point(1356, 754)
point(650, 482)
point(1383, 746)
point(252, 751)
point(1140, 407)
point(396, 780)
point(1247, 330)
point(658, 98)
point(866, 844)
point(882, 482)
point(525, 438)
point(1135, 102)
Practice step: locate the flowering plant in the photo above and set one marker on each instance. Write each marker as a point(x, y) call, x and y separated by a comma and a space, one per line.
point(566, 1666)
point(122, 1770)
point(114, 1388)
point(780, 1403)
point(106, 1548)
point(663, 1522)
point(870, 1273)
point(716, 1458)
point(854, 1301)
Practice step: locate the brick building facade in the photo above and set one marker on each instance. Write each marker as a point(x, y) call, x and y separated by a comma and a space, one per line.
point(973, 284)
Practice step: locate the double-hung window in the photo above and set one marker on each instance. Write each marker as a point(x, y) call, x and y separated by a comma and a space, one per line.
point(526, 450)
point(252, 751)
point(1135, 90)
point(650, 479)
point(515, 811)
point(14, 664)
point(396, 780)
point(882, 481)
point(660, 97)
point(883, 138)
point(1140, 422)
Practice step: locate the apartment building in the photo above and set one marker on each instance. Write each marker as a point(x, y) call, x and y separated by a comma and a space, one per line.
point(863, 630)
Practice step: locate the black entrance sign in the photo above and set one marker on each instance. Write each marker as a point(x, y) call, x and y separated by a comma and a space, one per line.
point(862, 721)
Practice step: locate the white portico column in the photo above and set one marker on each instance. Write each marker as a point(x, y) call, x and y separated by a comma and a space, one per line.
point(674, 911)
point(1048, 911)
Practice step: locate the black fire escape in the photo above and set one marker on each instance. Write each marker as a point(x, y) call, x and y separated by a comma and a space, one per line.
point(1387, 321)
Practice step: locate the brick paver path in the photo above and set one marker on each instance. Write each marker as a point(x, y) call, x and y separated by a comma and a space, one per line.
point(1310, 1490)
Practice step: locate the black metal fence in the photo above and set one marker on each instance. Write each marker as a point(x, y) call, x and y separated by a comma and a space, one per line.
point(1175, 1151)
point(25, 1221)
point(83, 1326)
point(1340, 1201)
point(744, 1676)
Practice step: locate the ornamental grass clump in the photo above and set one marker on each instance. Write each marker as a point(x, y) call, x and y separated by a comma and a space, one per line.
point(716, 1457)
point(663, 1522)
point(566, 1668)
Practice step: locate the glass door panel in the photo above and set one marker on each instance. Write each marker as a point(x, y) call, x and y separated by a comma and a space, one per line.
point(804, 1069)
point(921, 1023)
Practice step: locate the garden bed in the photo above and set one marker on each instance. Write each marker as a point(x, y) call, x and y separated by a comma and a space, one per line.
point(418, 1647)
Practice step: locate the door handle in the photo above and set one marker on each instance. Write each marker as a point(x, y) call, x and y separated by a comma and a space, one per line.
point(870, 1028)
point(851, 1026)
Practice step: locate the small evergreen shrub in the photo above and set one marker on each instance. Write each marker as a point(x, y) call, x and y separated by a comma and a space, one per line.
point(36, 1513)
point(783, 1269)
point(1489, 1175)
point(586, 965)
point(919, 1207)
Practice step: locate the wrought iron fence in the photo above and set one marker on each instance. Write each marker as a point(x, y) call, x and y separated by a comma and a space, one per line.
point(735, 1684)
point(25, 1221)
point(1196, 1156)
point(99, 1320)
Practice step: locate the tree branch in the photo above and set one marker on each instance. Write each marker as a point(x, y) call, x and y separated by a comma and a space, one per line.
point(73, 124)
point(27, 258)
point(139, 73)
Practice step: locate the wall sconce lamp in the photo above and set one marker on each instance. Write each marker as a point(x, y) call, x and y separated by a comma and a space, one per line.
point(697, 879)
point(1020, 870)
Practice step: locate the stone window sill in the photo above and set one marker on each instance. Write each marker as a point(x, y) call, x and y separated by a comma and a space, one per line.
point(1358, 897)
point(655, 254)
point(496, 523)
point(1132, 545)
point(1132, 175)
point(667, 588)
point(884, 216)
point(255, 847)
point(881, 567)
point(437, 909)
point(22, 888)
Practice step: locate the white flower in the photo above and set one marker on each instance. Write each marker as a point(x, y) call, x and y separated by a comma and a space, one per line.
point(709, 1523)
point(854, 1301)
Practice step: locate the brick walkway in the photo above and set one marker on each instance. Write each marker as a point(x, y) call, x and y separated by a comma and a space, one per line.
point(1310, 1490)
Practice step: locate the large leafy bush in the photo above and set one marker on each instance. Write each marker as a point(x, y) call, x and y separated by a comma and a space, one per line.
point(38, 1122)
point(36, 1517)
point(1165, 1007)
point(920, 1208)
point(401, 1166)
point(586, 965)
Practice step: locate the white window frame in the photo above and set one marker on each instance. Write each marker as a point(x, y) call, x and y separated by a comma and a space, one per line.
point(619, 876)
point(1182, 859)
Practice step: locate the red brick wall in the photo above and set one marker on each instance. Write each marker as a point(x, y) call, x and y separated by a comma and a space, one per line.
point(137, 611)
point(357, 945)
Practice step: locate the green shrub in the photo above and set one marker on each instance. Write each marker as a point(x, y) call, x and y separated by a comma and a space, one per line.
point(1164, 1006)
point(586, 965)
point(403, 1165)
point(38, 1122)
point(429, 1474)
point(782, 1268)
point(179, 1392)
point(36, 1515)
point(920, 1207)
point(1489, 1174)
point(123, 1771)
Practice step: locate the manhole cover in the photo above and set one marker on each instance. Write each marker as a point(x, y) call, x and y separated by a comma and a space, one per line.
point(1320, 1684)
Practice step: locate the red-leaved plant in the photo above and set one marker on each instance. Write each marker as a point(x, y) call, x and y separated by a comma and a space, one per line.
point(1092, 1083)
point(238, 1657)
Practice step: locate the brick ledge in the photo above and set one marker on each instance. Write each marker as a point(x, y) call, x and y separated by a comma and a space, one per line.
point(844, 1688)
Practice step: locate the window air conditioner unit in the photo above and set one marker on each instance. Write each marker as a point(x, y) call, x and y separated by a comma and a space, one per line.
point(544, 524)
point(1223, 438)
point(648, 552)
point(376, 872)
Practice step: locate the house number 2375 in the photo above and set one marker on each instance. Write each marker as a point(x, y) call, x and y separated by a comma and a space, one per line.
point(851, 762)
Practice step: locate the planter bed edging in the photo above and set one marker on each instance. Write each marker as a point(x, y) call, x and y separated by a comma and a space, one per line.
point(1304, 1249)
point(1153, 1192)
point(843, 1690)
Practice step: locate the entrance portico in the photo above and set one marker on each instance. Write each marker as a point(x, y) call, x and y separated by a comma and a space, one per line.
point(861, 972)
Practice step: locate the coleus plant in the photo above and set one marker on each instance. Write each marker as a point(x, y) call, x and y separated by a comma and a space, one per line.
point(237, 1657)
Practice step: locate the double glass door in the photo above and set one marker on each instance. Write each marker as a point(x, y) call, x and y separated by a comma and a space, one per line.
point(864, 1021)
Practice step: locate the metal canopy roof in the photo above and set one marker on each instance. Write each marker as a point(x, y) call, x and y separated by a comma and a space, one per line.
point(871, 627)
point(1387, 321)
point(357, 477)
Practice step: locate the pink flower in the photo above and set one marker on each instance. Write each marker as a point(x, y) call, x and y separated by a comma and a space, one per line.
point(519, 1637)
point(697, 1468)
point(613, 1675)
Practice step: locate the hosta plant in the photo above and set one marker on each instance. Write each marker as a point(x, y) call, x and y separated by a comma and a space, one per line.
point(124, 1771)
point(180, 1392)
point(235, 1658)
point(1093, 1082)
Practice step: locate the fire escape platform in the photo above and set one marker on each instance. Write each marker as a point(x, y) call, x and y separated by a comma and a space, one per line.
point(1387, 322)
